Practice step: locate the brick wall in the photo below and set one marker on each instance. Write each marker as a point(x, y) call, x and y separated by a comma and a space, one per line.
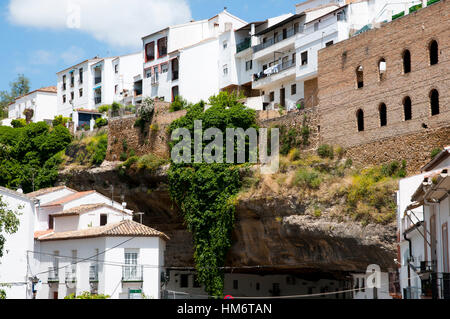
point(153, 140)
point(340, 98)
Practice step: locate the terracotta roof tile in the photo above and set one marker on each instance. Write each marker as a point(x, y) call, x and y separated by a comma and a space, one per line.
point(41, 233)
point(48, 190)
point(69, 198)
point(86, 208)
point(126, 228)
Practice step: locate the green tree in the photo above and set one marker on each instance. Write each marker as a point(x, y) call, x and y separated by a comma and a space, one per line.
point(9, 224)
point(205, 193)
point(18, 88)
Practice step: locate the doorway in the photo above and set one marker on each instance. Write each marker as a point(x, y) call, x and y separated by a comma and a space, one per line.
point(283, 97)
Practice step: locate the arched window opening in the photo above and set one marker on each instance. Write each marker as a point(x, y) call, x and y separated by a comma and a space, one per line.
point(382, 69)
point(434, 54)
point(406, 61)
point(360, 119)
point(434, 101)
point(359, 77)
point(407, 108)
point(383, 114)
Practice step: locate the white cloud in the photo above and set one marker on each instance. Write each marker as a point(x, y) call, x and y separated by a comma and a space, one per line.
point(42, 57)
point(117, 22)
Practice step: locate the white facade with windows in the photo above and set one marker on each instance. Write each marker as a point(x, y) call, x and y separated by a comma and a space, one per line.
point(74, 242)
point(41, 101)
point(184, 59)
point(423, 217)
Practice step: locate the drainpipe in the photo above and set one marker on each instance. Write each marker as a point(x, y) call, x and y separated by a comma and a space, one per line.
point(410, 257)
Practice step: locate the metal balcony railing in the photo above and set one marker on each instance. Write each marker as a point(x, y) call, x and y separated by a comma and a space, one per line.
point(98, 80)
point(53, 275)
point(280, 37)
point(71, 275)
point(132, 273)
point(243, 45)
point(275, 69)
point(97, 100)
point(93, 273)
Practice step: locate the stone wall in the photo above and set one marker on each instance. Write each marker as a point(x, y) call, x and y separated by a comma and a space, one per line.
point(154, 139)
point(414, 148)
point(340, 98)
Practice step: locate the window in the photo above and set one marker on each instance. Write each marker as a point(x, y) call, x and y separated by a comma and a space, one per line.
point(383, 114)
point(407, 108)
point(164, 68)
point(116, 89)
point(156, 73)
point(80, 92)
point(174, 69)
point(72, 79)
point(329, 43)
point(296, 27)
point(258, 286)
point(64, 82)
point(382, 69)
point(184, 281)
point(272, 96)
point(304, 57)
point(341, 16)
point(162, 47)
point(275, 37)
point(359, 77)
point(406, 61)
point(80, 75)
point(225, 44)
point(293, 89)
point(284, 34)
point(235, 284)
point(103, 219)
point(175, 92)
point(72, 96)
point(148, 73)
point(149, 51)
point(248, 65)
point(116, 68)
point(316, 26)
point(434, 101)
point(293, 58)
point(434, 54)
point(225, 69)
point(360, 119)
point(50, 222)
point(64, 98)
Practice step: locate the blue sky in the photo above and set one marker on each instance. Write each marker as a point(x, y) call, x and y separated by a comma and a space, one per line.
point(38, 49)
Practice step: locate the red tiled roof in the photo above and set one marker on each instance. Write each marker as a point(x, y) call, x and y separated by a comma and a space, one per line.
point(69, 198)
point(86, 208)
point(48, 190)
point(41, 233)
point(126, 228)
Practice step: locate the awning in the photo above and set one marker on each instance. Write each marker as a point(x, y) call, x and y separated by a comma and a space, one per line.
point(98, 87)
point(71, 71)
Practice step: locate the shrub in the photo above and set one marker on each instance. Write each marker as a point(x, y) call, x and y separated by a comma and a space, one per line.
point(150, 162)
point(325, 151)
point(18, 123)
point(123, 156)
point(154, 127)
point(104, 108)
point(100, 150)
point(305, 134)
point(100, 122)
point(294, 154)
point(130, 161)
point(87, 295)
point(307, 177)
point(435, 152)
point(178, 104)
point(60, 120)
point(339, 151)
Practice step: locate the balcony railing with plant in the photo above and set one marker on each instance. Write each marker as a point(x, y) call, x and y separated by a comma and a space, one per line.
point(281, 67)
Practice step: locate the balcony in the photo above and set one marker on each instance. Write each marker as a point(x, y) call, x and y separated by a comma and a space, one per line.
point(155, 80)
point(274, 40)
point(93, 273)
point(132, 273)
point(275, 69)
point(97, 80)
point(97, 100)
point(53, 275)
point(71, 275)
point(243, 45)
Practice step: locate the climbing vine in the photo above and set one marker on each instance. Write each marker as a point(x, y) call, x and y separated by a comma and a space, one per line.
point(205, 193)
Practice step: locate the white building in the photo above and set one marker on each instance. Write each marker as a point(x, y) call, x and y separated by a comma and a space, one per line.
point(84, 87)
point(78, 242)
point(42, 101)
point(422, 221)
point(184, 59)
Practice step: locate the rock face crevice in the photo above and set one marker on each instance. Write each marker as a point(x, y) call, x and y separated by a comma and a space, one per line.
point(272, 232)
